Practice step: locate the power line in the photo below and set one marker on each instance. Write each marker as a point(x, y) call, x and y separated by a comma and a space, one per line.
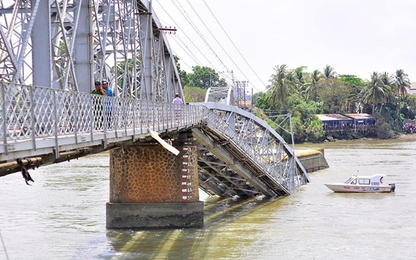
point(185, 44)
point(234, 46)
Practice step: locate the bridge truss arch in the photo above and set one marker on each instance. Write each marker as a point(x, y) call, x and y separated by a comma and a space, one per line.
point(69, 44)
point(223, 95)
point(245, 156)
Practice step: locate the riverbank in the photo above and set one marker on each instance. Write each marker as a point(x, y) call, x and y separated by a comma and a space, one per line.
point(307, 146)
point(407, 137)
point(402, 136)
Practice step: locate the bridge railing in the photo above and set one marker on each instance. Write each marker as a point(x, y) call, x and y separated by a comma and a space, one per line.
point(30, 113)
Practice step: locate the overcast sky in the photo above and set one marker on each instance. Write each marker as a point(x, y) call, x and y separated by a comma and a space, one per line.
point(250, 38)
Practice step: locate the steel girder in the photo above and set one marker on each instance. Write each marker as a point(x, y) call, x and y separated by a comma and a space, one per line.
point(232, 184)
point(224, 95)
point(68, 44)
point(252, 149)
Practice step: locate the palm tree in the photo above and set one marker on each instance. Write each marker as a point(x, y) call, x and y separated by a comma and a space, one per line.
point(328, 72)
point(402, 85)
point(387, 79)
point(300, 75)
point(375, 91)
point(389, 83)
point(280, 85)
point(311, 90)
point(402, 82)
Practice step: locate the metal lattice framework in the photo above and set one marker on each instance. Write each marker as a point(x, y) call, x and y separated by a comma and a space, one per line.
point(242, 154)
point(265, 163)
point(51, 52)
point(35, 121)
point(80, 41)
point(224, 95)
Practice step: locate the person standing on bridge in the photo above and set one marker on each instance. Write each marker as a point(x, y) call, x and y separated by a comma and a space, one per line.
point(108, 91)
point(108, 104)
point(177, 103)
point(98, 105)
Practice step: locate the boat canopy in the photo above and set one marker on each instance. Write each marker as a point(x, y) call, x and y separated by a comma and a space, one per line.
point(365, 180)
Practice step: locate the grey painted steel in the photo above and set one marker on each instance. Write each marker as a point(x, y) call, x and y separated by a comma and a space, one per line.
point(224, 95)
point(267, 132)
point(146, 53)
point(68, 44)
point(36, 121)
point(60, 120)
point(223, 101)
point(83, 46)
point(52, 51)
point(217, 178)
point(41, 44)
point(230, 161)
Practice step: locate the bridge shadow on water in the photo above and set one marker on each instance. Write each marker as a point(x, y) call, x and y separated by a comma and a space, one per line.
point(225, 227)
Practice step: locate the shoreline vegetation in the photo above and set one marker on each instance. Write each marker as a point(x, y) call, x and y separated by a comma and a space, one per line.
point(402, 136)
point(411, 136)
point(303, 95)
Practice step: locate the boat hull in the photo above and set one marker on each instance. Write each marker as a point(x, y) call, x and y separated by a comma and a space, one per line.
point(346, 188)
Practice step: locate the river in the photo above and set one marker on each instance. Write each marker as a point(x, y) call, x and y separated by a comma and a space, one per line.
point(62, 215)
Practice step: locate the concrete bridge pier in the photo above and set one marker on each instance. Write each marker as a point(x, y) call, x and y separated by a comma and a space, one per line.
point(152, 188)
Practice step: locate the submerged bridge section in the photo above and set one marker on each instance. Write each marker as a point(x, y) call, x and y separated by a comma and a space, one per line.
point(257, 160)
point(243, 155)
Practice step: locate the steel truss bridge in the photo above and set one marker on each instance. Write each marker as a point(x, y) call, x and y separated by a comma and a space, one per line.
point(51, 52)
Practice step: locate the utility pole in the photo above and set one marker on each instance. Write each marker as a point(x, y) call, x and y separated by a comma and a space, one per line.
point(210, 78)
point(252, 95)
point(244, 87)
point(243, 96)
point(237, 83)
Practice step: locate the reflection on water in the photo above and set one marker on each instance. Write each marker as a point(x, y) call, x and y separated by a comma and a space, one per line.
point(62, 215)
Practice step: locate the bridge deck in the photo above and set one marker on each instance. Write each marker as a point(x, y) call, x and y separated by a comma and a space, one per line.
point(255, 159)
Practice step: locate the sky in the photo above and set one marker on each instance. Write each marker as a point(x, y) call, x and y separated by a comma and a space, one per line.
point(245, 40)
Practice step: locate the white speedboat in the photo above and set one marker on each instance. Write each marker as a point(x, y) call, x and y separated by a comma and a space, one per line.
point(363, 184)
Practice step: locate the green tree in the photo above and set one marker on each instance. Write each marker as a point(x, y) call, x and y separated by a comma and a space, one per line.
point(383, 129)
point(300, 74)
point(328, 72)
point(375, 92)
point(304, 114)
point(259, 99)
point(312, 85)
point(352, 80)
point(204, 77)
point(281, 86)
point(299, 130)
point(392, 101)
point(131, 79)
point(314, 130)
point(182, 74)
point(387, 79)
point(300, 79)
point(355, 86)
point(334, 96)
point(194, 94)
point(408, 107)
point(402, 82)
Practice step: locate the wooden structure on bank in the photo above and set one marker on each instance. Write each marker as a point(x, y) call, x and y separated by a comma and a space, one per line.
point(348, 123)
